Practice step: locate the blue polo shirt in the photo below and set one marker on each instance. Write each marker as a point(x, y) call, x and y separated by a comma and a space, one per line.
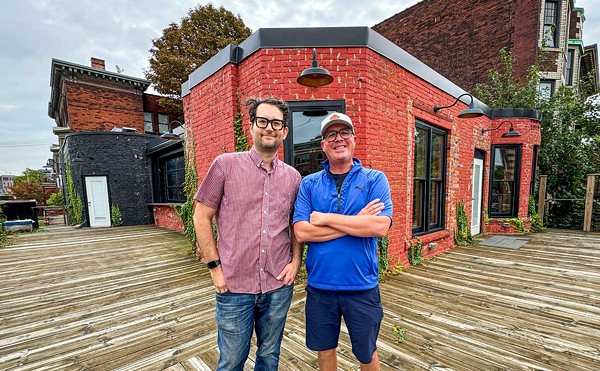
point(348, 262)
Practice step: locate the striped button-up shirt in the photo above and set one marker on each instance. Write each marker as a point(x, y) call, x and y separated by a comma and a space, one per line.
point(253, 218)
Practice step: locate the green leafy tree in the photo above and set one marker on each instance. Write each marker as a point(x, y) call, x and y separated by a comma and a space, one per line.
point(570, 147)
point(186, 46)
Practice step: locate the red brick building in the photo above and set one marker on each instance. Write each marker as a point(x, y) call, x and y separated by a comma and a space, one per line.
point(433, 160)
point(461, 39)
point(109, 146)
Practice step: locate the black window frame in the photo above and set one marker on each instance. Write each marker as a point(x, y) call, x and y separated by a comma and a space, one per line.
point(160, 192)
point(425, 226)
point(304, 106)
point(534, 169)
point(516, 182)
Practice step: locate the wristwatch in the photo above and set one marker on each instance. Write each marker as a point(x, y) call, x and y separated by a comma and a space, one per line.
point(213, 264)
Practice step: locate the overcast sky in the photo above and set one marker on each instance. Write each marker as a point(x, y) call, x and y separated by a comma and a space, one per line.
point(32, 32)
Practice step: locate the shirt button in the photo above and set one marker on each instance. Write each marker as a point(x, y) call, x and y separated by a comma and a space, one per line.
point(265, 211)
point(264, 231)
point(261, 269)
point(266, 193)
point(263, 250)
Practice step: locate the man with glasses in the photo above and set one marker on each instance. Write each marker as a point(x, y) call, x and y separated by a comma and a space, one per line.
point(340, 211)
point(253, 270)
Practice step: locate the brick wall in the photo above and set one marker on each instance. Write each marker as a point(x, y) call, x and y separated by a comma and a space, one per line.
point(165, 216)
point(382, 98)
point(97, 105)
point(461, 39)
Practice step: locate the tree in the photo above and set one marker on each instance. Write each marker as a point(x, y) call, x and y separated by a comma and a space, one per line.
point(570, 147)
point(28, 186)
point(184, 47)
point(30, 175)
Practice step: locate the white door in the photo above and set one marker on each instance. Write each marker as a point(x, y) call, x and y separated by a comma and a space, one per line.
point(97, 197)
point(477, 199)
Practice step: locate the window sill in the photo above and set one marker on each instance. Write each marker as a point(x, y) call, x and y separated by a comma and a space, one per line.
point(165, 203)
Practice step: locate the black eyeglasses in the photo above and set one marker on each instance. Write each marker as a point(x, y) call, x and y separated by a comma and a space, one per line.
point(262, 123)
point(330, 136)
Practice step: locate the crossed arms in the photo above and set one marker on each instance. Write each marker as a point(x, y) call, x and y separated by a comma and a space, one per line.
point(328, 226)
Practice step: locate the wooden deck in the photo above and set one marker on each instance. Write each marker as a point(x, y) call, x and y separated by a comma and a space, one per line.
point(130, 298)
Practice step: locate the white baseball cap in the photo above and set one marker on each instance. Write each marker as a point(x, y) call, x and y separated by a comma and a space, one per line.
point(335, 118)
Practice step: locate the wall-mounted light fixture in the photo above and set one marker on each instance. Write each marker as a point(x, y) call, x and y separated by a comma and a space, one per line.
point(511, 133)
point(169, 135)
point(314, 76)
point(468, 113)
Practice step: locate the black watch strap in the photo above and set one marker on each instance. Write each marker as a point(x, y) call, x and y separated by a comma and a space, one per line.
point(213, 264)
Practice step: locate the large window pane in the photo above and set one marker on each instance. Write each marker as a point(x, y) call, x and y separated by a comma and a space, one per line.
point(429, 175)
point(302, 147)
point(418, 197)
point(421, 145)
point(505, 181)
point(437, 165)
point(434, 203)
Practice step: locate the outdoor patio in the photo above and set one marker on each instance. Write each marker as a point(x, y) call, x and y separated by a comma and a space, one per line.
point(131, 298)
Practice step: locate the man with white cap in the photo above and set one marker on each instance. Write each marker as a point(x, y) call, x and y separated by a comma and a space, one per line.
point(340, 211)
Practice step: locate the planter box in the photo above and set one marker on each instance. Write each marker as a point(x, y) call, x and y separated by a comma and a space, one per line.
point(18, 225)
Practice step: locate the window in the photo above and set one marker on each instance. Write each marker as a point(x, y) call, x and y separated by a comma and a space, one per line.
point(569, 72)
point(163, 123)
point(429, 179)
point(504, 190)
point(148, 122)
point(302, 147)
point(546, 89)
point(173, 170)
point(534, 169)
point(551, 23)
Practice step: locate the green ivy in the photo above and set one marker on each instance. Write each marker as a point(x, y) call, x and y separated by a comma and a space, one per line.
point(517, 224)
point(75, 206)
point(462, 235)
point(241, 140)
point(537, 225)
point(415, 252)
point(186, 211)
point(116, 217)
point(3, 233)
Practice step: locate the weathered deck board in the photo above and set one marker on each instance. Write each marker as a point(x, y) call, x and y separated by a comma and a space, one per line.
point(130, 298)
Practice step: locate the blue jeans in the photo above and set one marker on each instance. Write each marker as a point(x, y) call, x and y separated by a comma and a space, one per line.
point(238, 314)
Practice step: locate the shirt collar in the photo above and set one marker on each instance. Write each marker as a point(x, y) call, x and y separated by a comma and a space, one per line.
point(258, 161)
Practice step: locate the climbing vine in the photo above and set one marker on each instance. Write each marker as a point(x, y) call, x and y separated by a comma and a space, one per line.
point(517, 224)
point(462, 235)
point(186, 210)
point(241, 139)
point(415, 252)
point(75, 205)
point(537, 225)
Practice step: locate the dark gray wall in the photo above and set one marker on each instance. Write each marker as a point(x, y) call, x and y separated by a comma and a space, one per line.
point(120, 156)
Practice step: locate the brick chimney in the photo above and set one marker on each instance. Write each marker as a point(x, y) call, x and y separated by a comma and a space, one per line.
point(98, 63)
